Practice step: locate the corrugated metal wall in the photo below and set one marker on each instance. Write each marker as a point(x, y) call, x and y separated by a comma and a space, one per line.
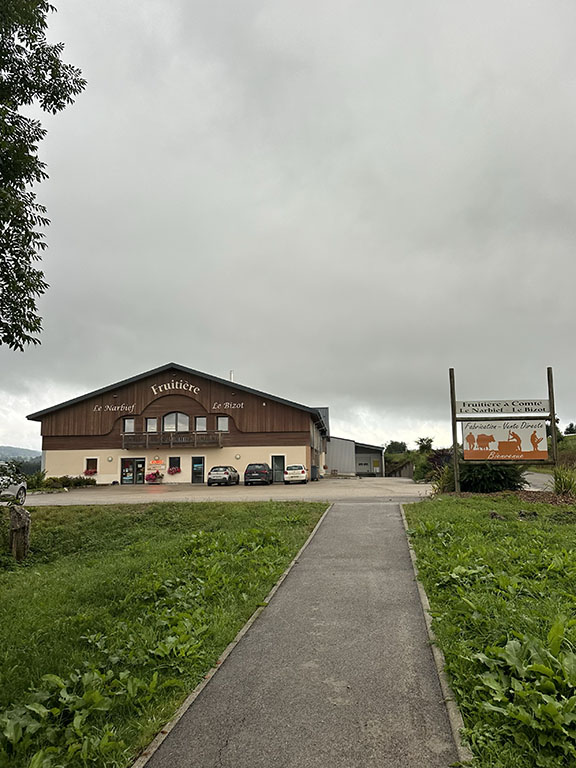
point(341, 456)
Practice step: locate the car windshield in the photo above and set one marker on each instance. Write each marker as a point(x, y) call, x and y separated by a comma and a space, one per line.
point(218, 469)
point(256, 466)
point(295, 466)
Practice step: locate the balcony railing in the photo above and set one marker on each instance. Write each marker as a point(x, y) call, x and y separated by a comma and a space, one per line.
point(172, 440)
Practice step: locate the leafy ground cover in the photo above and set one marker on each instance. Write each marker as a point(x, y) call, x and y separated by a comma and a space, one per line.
point(120, 611)
point(500, 574)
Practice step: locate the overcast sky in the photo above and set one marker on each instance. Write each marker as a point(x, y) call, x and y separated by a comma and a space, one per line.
point(337, 199)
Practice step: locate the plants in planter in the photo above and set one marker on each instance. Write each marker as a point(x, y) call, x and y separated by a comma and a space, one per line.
point(90, 472)
point(154, 477)
point(174, 470)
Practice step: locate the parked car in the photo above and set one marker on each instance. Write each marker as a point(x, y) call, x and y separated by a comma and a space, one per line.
point(223, 476)
point(295, 473)
point(258, 473)
point(15, 491)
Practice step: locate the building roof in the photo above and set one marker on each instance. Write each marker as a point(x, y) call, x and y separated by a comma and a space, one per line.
point(378, 448)
point(316, 413)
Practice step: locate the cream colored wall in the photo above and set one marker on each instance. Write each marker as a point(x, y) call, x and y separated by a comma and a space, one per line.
point(74, 462)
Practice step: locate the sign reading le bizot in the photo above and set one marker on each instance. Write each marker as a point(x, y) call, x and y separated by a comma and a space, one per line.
point(503, 406)
point(513, 440)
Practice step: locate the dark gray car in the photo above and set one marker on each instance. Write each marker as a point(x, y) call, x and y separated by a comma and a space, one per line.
point(258, 473)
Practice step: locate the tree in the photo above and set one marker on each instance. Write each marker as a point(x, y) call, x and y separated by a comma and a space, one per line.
point(424, 444)
point(31, 72)
point(570, 429)
point(395, 446)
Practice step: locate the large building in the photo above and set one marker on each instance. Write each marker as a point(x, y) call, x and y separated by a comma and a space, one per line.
point(179, 422)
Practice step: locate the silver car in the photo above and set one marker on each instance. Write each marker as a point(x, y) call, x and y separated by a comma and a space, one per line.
point(16, 491)
point(223, 476)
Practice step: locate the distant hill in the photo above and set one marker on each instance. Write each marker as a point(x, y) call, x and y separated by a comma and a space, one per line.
point(10, 452)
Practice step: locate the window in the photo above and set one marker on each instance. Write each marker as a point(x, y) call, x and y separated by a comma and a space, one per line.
point(151, 425)
point(174, 462)
point(176, 422)
point(91, 466)
point(200, 423)
point(129, 425)
point(222, 422)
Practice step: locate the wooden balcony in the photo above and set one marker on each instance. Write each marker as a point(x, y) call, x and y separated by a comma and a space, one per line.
point(132, 440)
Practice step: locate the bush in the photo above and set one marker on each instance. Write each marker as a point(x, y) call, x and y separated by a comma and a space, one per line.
point(564, 481)
point(480, 478)
point(427, 466)
point(36, 481)
point(491, 477)
point(66, 481)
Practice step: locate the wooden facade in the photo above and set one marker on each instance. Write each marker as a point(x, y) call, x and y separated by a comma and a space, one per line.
point(115, 418)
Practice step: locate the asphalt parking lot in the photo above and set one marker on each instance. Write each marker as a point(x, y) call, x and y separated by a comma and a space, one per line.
point(327, 489)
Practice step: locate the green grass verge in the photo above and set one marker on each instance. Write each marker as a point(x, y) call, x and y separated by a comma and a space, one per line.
point(500, 574)
point(120, 611)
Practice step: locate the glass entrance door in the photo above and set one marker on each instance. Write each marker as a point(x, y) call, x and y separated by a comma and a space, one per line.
point(278, 467)
point(132, 471)
point(197, 469)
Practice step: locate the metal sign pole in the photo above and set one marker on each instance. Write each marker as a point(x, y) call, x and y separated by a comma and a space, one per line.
point(552, 416)
point(454, 431)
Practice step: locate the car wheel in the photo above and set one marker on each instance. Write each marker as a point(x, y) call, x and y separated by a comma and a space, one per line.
point(285, 482)
point(237, 481)
point(21, 496)
point(208, 484)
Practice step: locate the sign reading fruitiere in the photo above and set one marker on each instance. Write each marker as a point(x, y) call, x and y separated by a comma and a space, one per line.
point(513, 440)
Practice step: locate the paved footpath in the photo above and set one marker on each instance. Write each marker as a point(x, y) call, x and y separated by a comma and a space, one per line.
point(337, 671)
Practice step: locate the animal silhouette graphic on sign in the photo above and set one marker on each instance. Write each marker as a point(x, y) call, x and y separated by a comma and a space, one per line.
point(471, 440)
point(484, 442)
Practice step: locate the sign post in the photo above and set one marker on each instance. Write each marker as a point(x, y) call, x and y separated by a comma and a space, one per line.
point(503, 430)
point(455, 457)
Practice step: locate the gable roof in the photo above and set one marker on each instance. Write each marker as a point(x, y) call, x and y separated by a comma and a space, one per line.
point(314, 412)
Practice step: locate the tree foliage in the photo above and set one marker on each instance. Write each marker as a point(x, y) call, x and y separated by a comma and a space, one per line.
point(396, 446)
point(570, 429)
point(31, 72)
point(424, 444)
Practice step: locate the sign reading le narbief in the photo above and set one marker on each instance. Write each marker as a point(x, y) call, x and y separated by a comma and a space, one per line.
point(503, 406)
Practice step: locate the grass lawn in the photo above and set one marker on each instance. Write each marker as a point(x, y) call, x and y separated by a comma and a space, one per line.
point(120, 611)
point(500, 574)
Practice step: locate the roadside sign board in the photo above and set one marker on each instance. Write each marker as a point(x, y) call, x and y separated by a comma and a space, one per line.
point(513, 440)
point(503, 406)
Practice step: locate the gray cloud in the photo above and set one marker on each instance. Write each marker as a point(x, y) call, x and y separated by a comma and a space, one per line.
point(339, 201)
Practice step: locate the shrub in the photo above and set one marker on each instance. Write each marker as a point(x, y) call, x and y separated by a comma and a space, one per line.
point(66, 481)
point(491, 477)
point(564, 481)
point(480, 478)
point(427, 466)
point(36, 481)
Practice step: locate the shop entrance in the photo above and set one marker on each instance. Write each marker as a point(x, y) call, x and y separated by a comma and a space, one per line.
point(133, 471)
point(278, 467)
point(197, 469)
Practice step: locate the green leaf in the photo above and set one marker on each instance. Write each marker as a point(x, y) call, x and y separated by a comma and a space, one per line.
point(556, 636)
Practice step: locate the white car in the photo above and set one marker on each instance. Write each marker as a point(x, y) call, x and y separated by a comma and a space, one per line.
point(295, 473)
point(14, 491)
point(223, 476)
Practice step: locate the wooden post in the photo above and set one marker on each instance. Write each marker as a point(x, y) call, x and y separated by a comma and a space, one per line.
point(552, 416)
point(19, 531)
point(454, 431)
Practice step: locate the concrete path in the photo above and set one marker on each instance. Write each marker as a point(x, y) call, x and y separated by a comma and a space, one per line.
point(539, 481)
point(337, 671)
